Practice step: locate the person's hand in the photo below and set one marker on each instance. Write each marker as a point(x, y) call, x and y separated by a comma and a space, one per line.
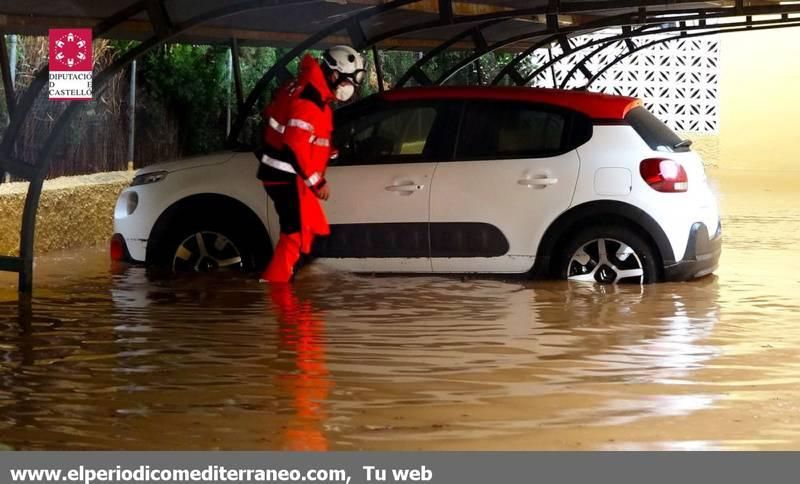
point(324, 193)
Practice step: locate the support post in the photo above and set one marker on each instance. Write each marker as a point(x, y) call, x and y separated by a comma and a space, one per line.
point(27, 235)
point(12, 58)
point(25, 320)
point(446, 11)
point(132, 117)
point(237, 74)
point(8, 61)
point(8, 71)
point(228, 93)
point(376, 56)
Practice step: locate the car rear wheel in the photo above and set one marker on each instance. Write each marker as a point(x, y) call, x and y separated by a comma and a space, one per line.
point(608, 255)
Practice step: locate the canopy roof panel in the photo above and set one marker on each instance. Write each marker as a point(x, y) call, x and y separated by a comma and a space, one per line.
point(417, 24)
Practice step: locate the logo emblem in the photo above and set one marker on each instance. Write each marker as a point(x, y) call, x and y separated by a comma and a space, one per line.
point(71, 64)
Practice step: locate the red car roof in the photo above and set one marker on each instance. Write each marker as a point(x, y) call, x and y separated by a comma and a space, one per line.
point(594, 105)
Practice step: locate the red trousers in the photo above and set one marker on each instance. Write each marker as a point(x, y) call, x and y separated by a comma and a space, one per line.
point(287, 252)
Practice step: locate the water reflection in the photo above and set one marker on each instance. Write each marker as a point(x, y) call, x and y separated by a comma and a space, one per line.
point(126, 359)
point(341, 361)
point(302, 338)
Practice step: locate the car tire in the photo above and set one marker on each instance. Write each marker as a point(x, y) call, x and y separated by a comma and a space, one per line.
point(210, 242)
point(608, 255)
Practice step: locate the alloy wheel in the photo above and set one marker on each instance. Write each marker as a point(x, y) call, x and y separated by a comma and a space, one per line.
point(206, 252)
point(607, 261)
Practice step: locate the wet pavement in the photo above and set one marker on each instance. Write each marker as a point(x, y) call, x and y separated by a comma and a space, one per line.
point(115, 359)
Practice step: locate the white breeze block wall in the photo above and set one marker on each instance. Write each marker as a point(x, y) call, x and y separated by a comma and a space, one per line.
point(678, 80)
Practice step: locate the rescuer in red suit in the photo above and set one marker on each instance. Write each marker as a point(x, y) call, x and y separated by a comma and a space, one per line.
point(297, 137)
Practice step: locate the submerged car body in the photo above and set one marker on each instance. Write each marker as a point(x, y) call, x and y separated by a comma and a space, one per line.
point(553, 183)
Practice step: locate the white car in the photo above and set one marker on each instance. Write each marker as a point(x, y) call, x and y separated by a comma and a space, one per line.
point(549, 183)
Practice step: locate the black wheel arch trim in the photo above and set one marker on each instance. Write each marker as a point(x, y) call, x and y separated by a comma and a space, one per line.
point(209, 202)
point(701, 257)
point(571, 220)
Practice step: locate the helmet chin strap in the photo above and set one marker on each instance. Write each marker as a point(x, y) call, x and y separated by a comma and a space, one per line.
point(332, 83)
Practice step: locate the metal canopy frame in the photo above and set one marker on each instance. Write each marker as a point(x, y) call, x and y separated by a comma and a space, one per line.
point(645, 14)
point(650, 22)
point(682, 30)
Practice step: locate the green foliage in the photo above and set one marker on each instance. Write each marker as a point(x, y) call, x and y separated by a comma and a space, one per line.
point(191, 80)
point(254, 62)
point(186, 88)
point(395, 64)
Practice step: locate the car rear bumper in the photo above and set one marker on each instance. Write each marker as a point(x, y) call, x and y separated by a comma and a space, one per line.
point(701, 257)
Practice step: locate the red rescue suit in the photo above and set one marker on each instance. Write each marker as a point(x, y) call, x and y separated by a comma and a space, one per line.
point(297, 136)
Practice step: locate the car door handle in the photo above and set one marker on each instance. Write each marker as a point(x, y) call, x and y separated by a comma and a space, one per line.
point(537, 182)
point(411, 187)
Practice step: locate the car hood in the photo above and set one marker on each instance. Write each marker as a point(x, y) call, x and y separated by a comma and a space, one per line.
point(186, 163)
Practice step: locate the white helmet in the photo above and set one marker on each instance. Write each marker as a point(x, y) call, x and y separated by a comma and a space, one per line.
point(350, 66)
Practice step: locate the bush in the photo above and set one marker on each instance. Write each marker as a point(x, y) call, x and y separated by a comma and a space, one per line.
point(191, 81)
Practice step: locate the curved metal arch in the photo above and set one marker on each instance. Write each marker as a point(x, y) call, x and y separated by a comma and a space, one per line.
point(641, 33)
point(510, 68)
point(657, 17)
point(483, 48)
point(163, 34)
point(36, 174)
point(602, 44)
point(561, 36)
point(701, 15)
point(446, 17)
point(582, 63)
point(774, 25)
point(25, 102)
point(352, 24)
point(554, 7)
point(416, 71)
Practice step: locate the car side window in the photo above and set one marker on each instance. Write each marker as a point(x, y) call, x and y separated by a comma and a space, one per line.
point(502, 129)
point(394, 134)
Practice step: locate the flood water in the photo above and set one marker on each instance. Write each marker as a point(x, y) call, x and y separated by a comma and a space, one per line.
point(114, 359)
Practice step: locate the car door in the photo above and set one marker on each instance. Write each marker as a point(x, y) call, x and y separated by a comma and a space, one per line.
point(380, 187)
point(513, 172)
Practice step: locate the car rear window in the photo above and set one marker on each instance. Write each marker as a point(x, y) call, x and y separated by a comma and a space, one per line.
point(512, 130)
point(655, 133)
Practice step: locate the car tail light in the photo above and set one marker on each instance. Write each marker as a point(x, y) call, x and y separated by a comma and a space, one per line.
point(664, 175)
point(117, 248)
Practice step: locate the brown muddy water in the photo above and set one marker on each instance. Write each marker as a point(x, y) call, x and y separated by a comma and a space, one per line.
point(113, 359)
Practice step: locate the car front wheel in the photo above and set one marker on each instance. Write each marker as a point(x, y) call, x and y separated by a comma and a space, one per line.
point(219, 242)
point(206, 251)
point(608, 255)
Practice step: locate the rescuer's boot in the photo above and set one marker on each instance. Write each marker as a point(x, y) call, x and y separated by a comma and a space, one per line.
point(286, 254)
